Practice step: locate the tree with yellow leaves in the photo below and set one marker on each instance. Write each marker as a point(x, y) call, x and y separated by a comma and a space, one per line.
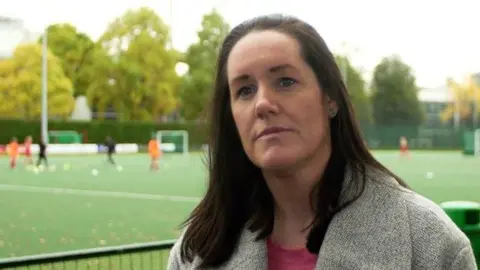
point(464, 95)
point(139, 81)
point(21, 85)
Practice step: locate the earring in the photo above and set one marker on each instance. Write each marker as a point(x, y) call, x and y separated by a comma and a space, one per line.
point(332, 112)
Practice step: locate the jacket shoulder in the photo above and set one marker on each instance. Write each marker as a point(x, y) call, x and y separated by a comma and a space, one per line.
point(434, 233)
point(249, 254)
point(437, 242)
point(175, 261)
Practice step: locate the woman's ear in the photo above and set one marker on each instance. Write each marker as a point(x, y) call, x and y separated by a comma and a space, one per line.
point(332, 108)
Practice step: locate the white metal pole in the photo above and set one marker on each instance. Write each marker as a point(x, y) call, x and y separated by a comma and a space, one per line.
point(44, 89)
point(475, 115)
point(170, 6)
point(475, 107)
point(456, 118)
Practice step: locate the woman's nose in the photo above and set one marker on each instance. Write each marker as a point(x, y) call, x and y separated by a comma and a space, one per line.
point(266, 103)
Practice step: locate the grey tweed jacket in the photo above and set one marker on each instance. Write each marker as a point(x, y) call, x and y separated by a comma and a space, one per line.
point(388, 227)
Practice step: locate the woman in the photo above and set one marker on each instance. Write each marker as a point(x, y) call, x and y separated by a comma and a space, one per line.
point(291, 182)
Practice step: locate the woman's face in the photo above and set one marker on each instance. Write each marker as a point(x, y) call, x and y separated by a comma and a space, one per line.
point(280, 112)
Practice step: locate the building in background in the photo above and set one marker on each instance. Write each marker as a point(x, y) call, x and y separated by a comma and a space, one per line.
point(476, 78)
point(82, 111)
point(12, 33)
point(434, 102)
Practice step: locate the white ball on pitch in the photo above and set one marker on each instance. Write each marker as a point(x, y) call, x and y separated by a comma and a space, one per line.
point(119, 168)
point(66, 166)
point(429, 175)
point(36, 170)
point(94, 172)
point(52, 168)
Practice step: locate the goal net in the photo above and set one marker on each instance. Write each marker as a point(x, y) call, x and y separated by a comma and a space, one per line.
point(173, 141)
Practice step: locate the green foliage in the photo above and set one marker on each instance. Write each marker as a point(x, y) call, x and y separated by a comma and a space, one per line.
point(394, 94)
point(201, 58)
point(137, 72)
point(356, 89)
point(75, 51)
point(465, 94)
point(101, 90)
point(21, 85)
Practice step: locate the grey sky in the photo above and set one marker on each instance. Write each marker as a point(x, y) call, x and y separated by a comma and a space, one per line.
point(437, 38)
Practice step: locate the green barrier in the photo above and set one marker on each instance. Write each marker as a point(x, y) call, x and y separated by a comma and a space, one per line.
point(64, 137)
point(467, 217)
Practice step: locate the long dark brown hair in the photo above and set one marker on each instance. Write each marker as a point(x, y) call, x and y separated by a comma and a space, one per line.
point(237, 196)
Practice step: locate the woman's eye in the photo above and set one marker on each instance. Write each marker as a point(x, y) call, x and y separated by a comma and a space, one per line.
point(286, 82)
point(245, 91)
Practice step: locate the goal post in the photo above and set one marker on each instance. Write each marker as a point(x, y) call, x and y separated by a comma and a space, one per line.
point(173, 141)
point(471, 143)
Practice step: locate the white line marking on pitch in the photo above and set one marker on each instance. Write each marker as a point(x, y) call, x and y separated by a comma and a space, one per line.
point(96, 193)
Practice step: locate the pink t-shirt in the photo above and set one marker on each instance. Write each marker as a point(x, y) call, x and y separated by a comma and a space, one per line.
point(289, 259)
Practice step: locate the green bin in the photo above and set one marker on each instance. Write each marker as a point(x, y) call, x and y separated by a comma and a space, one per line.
point(469, 143)
point(467, 217)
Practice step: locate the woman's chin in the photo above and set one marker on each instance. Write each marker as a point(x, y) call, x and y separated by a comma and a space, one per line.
point(277, 160)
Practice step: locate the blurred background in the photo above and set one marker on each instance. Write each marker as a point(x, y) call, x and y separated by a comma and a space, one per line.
point(75, 72)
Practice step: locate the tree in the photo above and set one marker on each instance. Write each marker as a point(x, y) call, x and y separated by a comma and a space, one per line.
point(356, 89)
point(75, 51)
point(464, 94)
point(21, 84)
point(394, 94)
point(101, 92)
point(198, 82)
point(141, 78)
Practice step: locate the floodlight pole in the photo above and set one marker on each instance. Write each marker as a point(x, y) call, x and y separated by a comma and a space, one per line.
point(473, 84)
point(44, 117)
point(475, 108)
point(170, 6)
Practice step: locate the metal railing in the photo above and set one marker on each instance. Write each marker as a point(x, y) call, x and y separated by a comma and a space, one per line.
point(153, 255)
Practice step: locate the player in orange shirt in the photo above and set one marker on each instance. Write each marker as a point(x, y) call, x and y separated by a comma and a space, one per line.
point(155, 153)
point(12, 150)
point(27, 144)
point(404, 147)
